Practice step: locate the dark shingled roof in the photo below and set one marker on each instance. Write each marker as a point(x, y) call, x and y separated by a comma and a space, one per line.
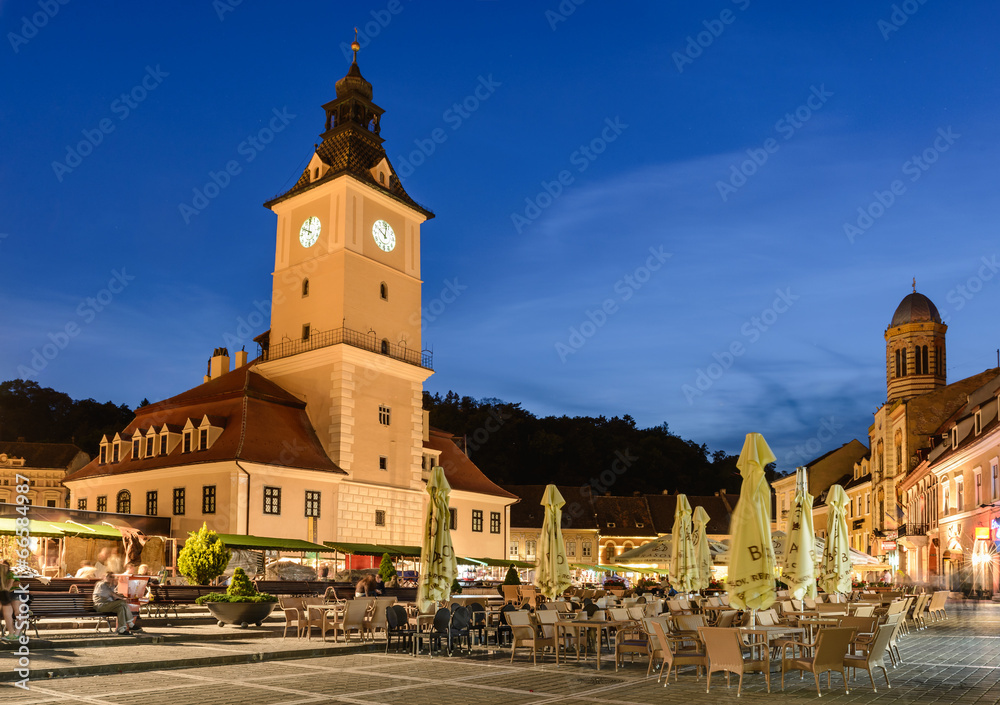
point(262, 421)
point(578, 512)
point(915, 308)
point(42, 455)
point(622, 516)
point(719, 509)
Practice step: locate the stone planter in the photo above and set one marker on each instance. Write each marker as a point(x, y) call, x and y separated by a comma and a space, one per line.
point(241, 613)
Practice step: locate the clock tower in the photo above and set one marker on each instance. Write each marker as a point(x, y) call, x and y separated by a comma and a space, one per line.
point(345, 309)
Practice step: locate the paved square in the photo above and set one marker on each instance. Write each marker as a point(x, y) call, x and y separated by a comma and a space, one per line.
point(956, 661)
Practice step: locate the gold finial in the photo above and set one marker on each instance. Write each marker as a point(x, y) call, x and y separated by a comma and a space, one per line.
point(355, 47)
point(914, 285)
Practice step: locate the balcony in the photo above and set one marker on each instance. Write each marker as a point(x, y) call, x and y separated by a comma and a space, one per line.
point(913, 530)
point(356, 339)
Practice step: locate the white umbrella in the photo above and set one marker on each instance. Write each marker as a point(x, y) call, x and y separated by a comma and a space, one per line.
point(683, 561)
point(552, 571)
point(835, 566)
point(660, 550)
point(702, 550)
point(438, 565)
point(751, 571)
point(800, 553)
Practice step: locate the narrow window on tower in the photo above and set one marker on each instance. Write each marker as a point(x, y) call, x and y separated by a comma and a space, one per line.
point(383, 463)
point(897, 364)
point(385, 346)
point(384, 414)
point(305, 287)
point(924, 358)
point(383, 291)
point(305, 331)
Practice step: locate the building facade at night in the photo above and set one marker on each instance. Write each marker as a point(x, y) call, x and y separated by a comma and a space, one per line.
point(323, 436)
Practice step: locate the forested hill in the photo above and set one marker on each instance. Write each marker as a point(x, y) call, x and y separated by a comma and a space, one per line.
point(513, 446)
point(43, 415)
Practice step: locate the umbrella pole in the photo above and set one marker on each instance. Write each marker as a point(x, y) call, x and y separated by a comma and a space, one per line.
point(753, 618)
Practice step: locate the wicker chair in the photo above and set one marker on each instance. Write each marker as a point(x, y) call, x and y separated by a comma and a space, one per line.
point(724, 652)
point(828, 653)
point(292, 607)
point(673, 652)
point(630, 640)
point(875, 655)
point(526, 634)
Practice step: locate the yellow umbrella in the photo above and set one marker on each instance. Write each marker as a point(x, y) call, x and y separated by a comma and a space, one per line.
point(751, 569)
point(800, 553)
point(438, 565)
point(835, 566)
point(702, 550)
point(683, 561)
point(552, 571)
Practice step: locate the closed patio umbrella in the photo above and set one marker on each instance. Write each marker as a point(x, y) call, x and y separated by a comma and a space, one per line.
point(702, 550)
point(683, 561)
point(438, 565)
point(751, 569)
point(835, 566)
point(800, 554)
point(552, 572)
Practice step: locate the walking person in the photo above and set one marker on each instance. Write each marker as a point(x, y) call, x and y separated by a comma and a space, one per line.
point(7, 581)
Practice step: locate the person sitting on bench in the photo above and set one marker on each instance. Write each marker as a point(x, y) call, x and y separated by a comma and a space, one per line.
point(107, 599)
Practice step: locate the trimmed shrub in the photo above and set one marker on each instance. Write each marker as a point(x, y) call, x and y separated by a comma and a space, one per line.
point(386, 570)
point(204, 557)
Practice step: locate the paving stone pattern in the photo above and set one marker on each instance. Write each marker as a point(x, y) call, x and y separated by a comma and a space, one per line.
point(956, 661)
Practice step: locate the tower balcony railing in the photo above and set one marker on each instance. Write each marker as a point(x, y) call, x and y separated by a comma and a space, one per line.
point(354, 338)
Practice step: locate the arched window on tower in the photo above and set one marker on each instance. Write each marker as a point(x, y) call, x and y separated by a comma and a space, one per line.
point(939, 361)
point(385, 346)
point(305, 287)
point(924, 359)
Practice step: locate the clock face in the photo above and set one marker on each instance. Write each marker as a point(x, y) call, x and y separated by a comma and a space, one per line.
point(309, 232)
point(384, 236)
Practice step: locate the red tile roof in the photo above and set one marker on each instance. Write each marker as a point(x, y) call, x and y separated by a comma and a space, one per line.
point(262, 424)
point(461, 473)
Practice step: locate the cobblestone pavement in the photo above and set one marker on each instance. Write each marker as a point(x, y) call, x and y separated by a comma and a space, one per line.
point(955, 661)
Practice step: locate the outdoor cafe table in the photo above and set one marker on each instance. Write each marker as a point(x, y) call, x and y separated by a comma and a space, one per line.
point(768, 634)
point(562, 625)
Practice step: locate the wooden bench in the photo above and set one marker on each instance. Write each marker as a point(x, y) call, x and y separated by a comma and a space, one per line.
point(163, 598)
point(74, 605)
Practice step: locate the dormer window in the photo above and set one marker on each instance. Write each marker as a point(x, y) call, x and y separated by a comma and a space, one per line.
point(315, 173)
point(187, 441)
point(104, 454)
point(149, 446)
point(381, 177)
point(135, 449)
point(114, 453)
point(611, 525)
point(163, 444)
point(203, 439)
point(979, 422)
point(954, 437)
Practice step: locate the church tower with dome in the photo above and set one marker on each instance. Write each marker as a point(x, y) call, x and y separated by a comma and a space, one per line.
point(914, 349)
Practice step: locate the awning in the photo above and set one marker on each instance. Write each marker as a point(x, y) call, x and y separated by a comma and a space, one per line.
point(372, 549)
point(503, 563)
point(58, 529)
point(268, 543)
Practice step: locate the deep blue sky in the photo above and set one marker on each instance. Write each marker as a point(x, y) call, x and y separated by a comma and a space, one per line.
point(556, 82)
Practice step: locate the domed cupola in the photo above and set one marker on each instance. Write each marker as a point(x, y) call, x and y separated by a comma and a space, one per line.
point(914, 348)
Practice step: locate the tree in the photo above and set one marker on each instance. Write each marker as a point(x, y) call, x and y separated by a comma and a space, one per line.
point(204, 557)
point(240, 585)
point(512, 578)
point(386, 570)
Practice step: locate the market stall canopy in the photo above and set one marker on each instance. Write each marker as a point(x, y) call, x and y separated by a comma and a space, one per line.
point(500, 563)
point(373, 549)
point(268, 543)
point(658, 551)
point(57, 529)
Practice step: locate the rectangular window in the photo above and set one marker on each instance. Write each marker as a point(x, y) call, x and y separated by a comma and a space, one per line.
point(571, 548)
point(114, 454)
point(384, 414)
point(453, 524)
point(179, 501)
point(477, 520)
point(868, 502)
point(979, 422)
point(379, 517)
point(149, 446)
point(187, 441)
point(494, 522)
point(995, 471)
point(104, 454)
point(50, 503)
point(135, 449)
point(81, 504)
point(529, 550)
point(203, 439)
point(979, 488)
point(383, 462)
point(585, 549)
point(208, 499)
point(959, 496)
point(151, 508)
point(513, 549)
point(102, 503)
point(163, 445)
point(272, 500)
point(312, 503)
point(305, 331)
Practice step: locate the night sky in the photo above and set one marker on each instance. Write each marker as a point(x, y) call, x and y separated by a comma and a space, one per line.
point(702, 214)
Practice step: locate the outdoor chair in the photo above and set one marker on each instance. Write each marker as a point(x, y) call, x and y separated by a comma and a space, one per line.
point(875, 655)
point(724, 652)
point(439, 634)
point(292, 607)
point(916, 616)
point(311, 618)
point(726, 618)
point(864, 611)
point(376, 619)
point(330, 596)
point(896, 622)
point(529, 596)
point(459, 628)
point(864, 630)
point(636, 613)
point(511, 595)
point(619, 614)
point(398, 627)
point(828, 653)
point(478, 624)
point(351, 619)
point(936, 607)
point(526, 634)
point(630, 640)
point(504, 633)
point(675, 652)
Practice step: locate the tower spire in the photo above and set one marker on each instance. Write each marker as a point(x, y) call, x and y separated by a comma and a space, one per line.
point(355, 47)
point(914, 285)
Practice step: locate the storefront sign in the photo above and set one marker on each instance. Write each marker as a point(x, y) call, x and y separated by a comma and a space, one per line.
point(888, 546)
point(983, 532)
